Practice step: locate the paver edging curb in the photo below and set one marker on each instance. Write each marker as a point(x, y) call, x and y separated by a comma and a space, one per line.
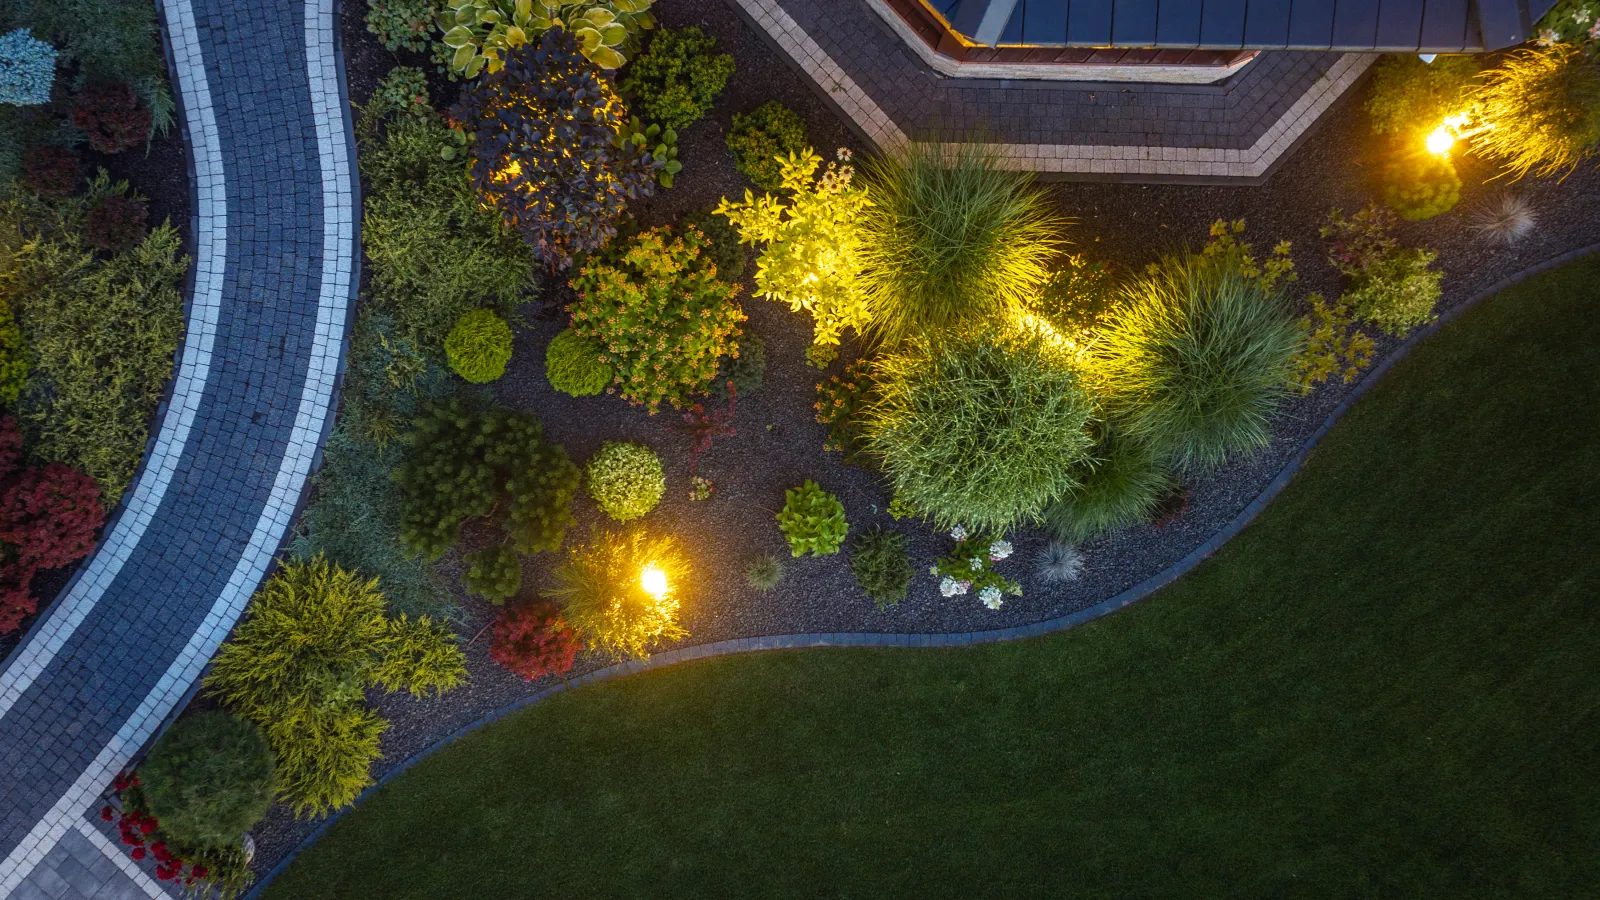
point(958, 639)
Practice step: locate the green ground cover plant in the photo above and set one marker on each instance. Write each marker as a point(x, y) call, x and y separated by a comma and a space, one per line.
point(979, 429)
point(950, 238)
point(1379, 688)
point(678, 77)
point(313, 639)
point(402, 24)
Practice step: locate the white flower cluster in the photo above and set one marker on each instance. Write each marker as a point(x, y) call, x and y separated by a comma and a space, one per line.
point(990, 597)
point(999, 550)
point(953, 588)
point(958, 533)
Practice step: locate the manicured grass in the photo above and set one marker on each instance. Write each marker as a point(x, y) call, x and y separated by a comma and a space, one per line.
point(1388, 687)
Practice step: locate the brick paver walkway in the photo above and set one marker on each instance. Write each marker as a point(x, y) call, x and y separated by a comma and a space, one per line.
point(274, 233)
point(1234, 131)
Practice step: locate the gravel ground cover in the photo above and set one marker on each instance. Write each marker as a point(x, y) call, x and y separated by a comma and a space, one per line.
point(779, 444)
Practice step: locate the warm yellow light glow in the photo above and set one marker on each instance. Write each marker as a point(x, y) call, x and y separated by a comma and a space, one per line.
point(654, 581)
point(1440, 141)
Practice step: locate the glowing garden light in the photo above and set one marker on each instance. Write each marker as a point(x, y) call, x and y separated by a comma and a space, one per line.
point(654, 581)
point(1440, 141)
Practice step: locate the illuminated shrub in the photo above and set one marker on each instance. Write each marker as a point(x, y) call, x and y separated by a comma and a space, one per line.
point(483, 35)
point(812, 521)
point(209, 779)
point(881, 566)
point(313, 638)
point(761, 139)
point(27, 69)
point(1420, 186)
point(573, 365)
point(1121, 488)
point(463, 465)
point(660, 314)
point(979, 429)
point(542, 152)
point(1541, 109)
point(115, 223)
point(1411, 98)
point(51, 171)
point(678, 77)
point(625, 479)
point(1196, 358)
point(531, 640)
point(494, 573)
point(810, 246)
point(111, 117)
point(1333, 345)
point(620, 590)
point(950, 238)
point(479, 346)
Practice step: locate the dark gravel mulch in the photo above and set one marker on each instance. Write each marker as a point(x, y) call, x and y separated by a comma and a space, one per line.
point(779, 444)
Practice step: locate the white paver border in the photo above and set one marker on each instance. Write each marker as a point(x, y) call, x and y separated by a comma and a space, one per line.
point(123, 862)
point(1200, 162)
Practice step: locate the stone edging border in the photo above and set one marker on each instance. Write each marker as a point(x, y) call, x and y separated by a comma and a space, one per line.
point(962, 639)
point(1089, 162)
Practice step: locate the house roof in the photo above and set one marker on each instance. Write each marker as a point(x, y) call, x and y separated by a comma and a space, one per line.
point(1404, 26)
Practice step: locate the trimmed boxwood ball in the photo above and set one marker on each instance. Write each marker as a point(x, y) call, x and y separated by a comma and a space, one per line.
point(573, 366)
point(1421, 186)
point(980, 429)
point(210, 779)
point(1195, 360)
point(479, 346)
point(625, 479)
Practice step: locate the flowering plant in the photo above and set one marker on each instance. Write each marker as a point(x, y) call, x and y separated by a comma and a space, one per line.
point(971, 567)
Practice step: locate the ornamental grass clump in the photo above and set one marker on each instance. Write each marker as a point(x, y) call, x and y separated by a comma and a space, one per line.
point(764, 572)
point(573, 366)
point(479, 346)
point(678, 77)
point(463, 465)
point(661, 316)
point(625, 479)
point(621, 589)
point(313, 639)
point(881, 566)
point(812, 521)
point(542, 152)
point(210, 779)
point(981, 429)
point(810, 246)
point(1120, 488)
point(948, 237)
point(1196, 359)
point(1538, 111)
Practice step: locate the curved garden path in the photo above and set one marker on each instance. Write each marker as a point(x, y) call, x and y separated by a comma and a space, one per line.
point(274, 233)
point(874, 639)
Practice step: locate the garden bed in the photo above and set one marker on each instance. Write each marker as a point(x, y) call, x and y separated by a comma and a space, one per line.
point(779, 444)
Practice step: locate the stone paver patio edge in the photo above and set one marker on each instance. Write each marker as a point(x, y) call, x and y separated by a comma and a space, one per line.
point(962, 639)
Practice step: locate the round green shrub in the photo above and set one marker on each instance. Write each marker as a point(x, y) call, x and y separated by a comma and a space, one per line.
point(625, 479)
point(979, 429)
point(748, 370)
point(882, 566)
point(1195, 360)
point(759, 138)
point(209, 779)
point(678, 77)
point(479, 346)
point(1421, 186)
point(573, 366)
point(494, 573)
point(1121, 489)
point(950, 237)
point(812, 520)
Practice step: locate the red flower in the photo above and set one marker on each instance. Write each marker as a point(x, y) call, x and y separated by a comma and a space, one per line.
point(137, 853)
point(200, 872)
point(160, 850)
point(105, 813)
point(148, 825)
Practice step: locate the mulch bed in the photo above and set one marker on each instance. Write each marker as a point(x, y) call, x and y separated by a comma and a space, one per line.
point(779, 443)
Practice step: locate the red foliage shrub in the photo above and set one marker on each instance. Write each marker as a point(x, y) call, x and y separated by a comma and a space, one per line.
point(115, 223)
point(16, 600)
point(111, 117)
point(532, 640)
point(51, 171)
point(51, 514)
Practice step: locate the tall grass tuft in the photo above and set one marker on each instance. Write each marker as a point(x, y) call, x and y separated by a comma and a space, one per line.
point(1122, 489)
point(949, 238)
point(1540, 110)
point(1195, 360)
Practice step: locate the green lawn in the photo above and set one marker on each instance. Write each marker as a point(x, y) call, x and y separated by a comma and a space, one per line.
point(1388, 687)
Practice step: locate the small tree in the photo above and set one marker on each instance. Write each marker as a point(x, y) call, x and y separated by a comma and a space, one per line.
point(810, 246)
point(543, 152)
